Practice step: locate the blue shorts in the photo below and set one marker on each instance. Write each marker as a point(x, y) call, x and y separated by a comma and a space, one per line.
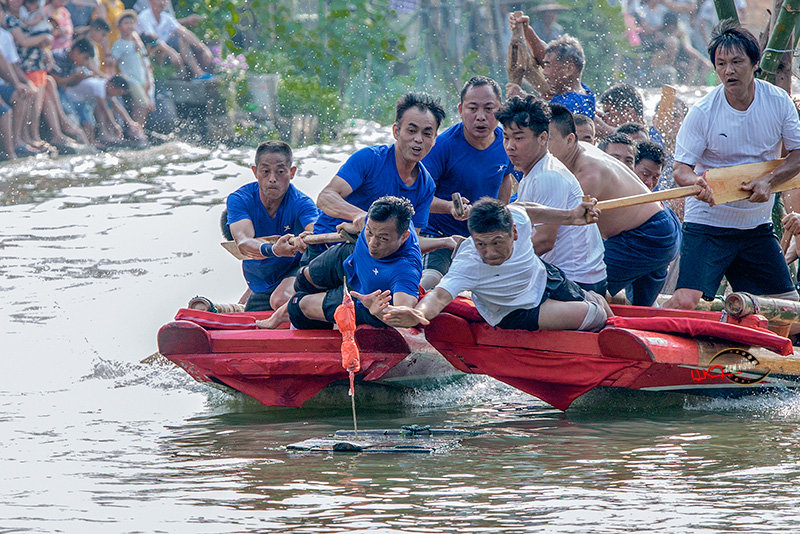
point(751, 260)
point(84, 111)
point(638, 258)
point(6, 92)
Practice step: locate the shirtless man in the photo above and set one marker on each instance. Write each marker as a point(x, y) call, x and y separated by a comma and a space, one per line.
point(640, 241)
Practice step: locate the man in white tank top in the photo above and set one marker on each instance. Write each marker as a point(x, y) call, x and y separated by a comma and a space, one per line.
point(743, 120)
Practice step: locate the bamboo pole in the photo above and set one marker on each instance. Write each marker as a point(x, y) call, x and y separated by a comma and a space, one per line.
point(782, 38)
point(726, 9)
point(775, 310)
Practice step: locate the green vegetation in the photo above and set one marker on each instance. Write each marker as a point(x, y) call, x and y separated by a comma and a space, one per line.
point(340, 59)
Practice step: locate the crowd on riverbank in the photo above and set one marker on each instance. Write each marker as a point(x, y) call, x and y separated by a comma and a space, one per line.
point(85, 68)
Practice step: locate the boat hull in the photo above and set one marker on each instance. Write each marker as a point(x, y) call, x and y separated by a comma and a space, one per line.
point(560, 366)
point(288, 367)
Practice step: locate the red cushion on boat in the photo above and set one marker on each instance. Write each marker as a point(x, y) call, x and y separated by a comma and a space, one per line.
point(216, 321)
point(464, 308)
point(704, 327)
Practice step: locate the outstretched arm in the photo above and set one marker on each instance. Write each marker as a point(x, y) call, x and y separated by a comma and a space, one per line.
point(331, 201)
point(429, 307)
point(583, 213)
point(534, 41)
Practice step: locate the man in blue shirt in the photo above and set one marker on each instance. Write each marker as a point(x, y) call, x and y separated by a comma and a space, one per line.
point(384, 268)
point(270, 206)
point(468, 158)
point(380, 170)
point(562, 62)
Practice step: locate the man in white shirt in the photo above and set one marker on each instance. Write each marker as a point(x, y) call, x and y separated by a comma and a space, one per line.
point(159, 22)
point(743, 120)
point(576, 250)
point(511, 287)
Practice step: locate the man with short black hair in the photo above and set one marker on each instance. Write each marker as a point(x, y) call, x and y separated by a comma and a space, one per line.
point(641, 240)
point(270, 206)
point(383, 267)
point(620, 147)
point(635, 130)
point(742, 120)
point(622, 103)
point(649, 162)
point(510, 286)
point(380, 170)
point(468, 158)
point(584, 128)
point(576, 250)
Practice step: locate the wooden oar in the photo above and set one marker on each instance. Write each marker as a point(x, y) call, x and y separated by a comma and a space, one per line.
point(726, 182)
point(663, 117)
point(318, 239)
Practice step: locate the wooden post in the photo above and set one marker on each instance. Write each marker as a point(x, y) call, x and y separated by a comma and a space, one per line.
point(776, 310)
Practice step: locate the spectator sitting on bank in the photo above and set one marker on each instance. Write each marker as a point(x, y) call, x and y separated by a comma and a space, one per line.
point(159, 53)
point(674, 58)
point(649, 162)
point(562, 64)
point(584, 128)
point(620, 147)
point(546, 23)
point(636, 131)
point(131, 56)
point(16, 96)
point(190, 21)
point(195, 55)
point(109, 10)
point(57, 11)
point(103, 63)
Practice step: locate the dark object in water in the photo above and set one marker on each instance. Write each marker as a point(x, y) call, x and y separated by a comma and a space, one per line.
point(413, 438)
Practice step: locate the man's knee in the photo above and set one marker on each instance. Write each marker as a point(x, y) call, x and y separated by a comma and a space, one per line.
point(298, 318)
point(303, 283)
point(282, 293)
point(430, 277)
point(684, 299)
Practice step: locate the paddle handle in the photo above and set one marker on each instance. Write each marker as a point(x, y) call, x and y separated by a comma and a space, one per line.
point(587, 198)
point(458, 203)
point(644, 198)
point(312, 239)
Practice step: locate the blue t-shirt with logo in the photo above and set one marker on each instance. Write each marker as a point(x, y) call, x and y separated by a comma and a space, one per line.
point(458, 167)
point(576, 102)
point(400, 271)
point(295, 212)
point(372, 173)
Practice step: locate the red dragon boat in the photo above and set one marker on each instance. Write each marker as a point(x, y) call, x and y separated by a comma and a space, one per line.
point(285, 367)
point(645, 349)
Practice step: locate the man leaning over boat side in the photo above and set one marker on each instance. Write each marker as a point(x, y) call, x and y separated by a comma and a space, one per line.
point(379, 170)
point(468, 158)
point(270, 206)
point(576, 250)
point(510, 285)
point(384, 267)
point(742, 120)
point(640, 241)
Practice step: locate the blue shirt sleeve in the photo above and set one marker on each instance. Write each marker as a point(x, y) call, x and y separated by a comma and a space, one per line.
point(237, 207)
point(357, 167)
point(307, 211)
point(407, 279)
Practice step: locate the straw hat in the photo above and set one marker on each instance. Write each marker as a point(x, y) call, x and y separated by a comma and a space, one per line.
point(549, 7)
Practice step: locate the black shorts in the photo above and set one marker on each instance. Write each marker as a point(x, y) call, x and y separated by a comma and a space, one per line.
point(332, 300)
point(260, 301)
point(438, 260)
point(327, 269)
point(559, 287)
point(751, 260)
